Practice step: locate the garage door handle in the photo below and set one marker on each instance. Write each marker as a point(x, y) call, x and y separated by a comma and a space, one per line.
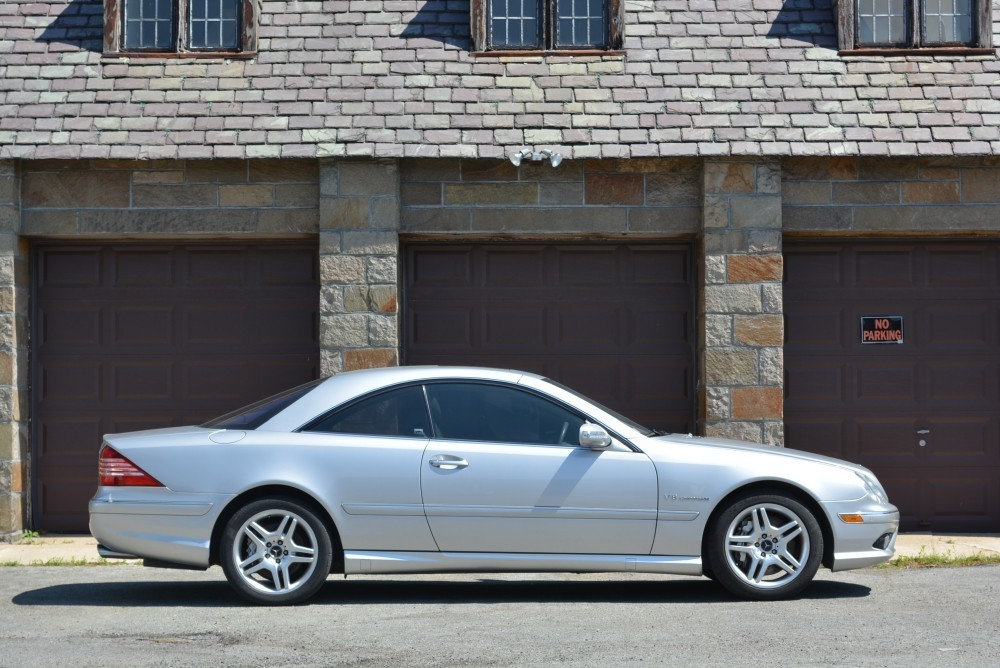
point(923, 431)
point(449, 463)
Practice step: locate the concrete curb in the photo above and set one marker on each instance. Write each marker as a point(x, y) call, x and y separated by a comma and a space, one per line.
point(68, 550)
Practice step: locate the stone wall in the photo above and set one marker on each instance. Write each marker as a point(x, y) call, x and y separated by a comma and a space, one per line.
point(359, 245)
point(657, 197)
point(741, 376)
point(884, 196)
point(13, 359)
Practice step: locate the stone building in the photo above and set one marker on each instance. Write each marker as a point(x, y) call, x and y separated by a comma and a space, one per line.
point(197, 209)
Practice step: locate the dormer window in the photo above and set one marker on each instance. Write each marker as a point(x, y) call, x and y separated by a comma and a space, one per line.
point(914, 24)
point(211, 27)
point(547, 25)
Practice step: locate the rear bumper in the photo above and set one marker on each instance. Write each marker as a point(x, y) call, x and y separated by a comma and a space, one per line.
point(155, 524)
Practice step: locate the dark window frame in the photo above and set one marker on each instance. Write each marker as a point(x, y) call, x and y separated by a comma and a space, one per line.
point(114, 34)
point(313, 426)
point(982, 36)
point(481, 41)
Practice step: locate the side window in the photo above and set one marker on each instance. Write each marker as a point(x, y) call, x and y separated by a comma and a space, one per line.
point(482, 412)
point(401, 412)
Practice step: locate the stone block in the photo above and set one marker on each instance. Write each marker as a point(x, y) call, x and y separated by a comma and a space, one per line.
point(435, 220)
point(759, 330)
point(717, 403)
point(887, 169)
point(762, 211)
point(756, 403)
point(368, 179)
point(297, 194)
point(739, 431)
point(332, 299)
point(329, 178)
point(820, 169)
point(383, 330)
point(981, 217)
point(577, 220)
point(724, 241)
point(806, 192)
point(489, 170)
point(11, 512)
point(817, 218)
point(673, 189)
point(614, 189)
point(175, 196)
point(556, 193)
point(343, 213)
point(288, 221)
point(483, 194)
point(981, 185)
point(772, 366)
point(244, 195)
point(341, 269)
point(878, 192)
point(434, 170)
point(70, 190)
point(370, 358)
point(166, 221)
point(930, 192)
point(672, 219)
point(284, 171)
point(715, 269)
point(731, 366)
point(43, 222)
point(753, 268)
point(420, 194)
point(381, 270)
point(8, 188)
point(732, 299)
point(715, 212)
point(718, 330)
point(384, 213)
point(370, 243)
point(730, 177)
point(217, 171)
point(331, 362)
point(343, 330)
point(774, 434)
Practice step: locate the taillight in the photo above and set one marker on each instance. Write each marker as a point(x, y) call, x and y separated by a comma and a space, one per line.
point(117, 471)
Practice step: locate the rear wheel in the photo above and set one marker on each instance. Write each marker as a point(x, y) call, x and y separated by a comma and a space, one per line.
point(764, 547)
point(276, 551)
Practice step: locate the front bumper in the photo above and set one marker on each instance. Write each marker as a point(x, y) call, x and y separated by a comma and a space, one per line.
point(867, 543)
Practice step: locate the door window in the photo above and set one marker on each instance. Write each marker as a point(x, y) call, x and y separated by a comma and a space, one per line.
point(494, 413)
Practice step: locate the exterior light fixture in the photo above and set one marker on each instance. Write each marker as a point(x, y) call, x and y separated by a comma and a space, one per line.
point(555, 159)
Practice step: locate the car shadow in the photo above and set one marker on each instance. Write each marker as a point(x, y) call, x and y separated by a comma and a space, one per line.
point(413, 592)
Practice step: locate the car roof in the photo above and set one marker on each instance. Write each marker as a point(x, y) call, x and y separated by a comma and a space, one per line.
point(348, 385)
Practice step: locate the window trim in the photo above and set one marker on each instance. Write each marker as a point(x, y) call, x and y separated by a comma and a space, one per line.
point(114, 34)
point(480, 34)
point(982, 42)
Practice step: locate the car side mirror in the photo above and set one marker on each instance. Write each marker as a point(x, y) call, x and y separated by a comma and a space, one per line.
point(594, 436)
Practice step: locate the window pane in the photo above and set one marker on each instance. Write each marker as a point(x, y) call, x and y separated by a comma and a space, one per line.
point(401, 412)
point(881, 22)
point(515, 23)
point(948, 21)
point(214, 24)
point(256, 414)
point(473, 412)
point(149, 24)
point(581, 23)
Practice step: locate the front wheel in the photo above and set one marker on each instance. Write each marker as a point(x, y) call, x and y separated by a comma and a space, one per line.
point(764, 547)
point(276, 551)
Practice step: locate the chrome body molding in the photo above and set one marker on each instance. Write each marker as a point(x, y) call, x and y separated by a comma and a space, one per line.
point(362, 562)
point(677, 515)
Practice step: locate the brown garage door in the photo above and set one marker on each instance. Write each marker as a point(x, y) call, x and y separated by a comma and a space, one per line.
point(135, 337)
point(614, 322)
point(924, 414)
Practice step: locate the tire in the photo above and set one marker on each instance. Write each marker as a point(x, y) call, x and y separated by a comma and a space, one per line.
point(764, 547)
point(276, 551)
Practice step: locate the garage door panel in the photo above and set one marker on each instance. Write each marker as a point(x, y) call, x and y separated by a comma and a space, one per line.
point(71, 268)
point(69, 379)
point(506, 267)
point(216, 268)
point(967, 497)
point(944, 379)
point(78, 325)
point(818, 382)
point(587, 267)
point(134, 268)
point(509, 328)
point(142, 326)
point(154, 335)
point(813, 327)
point(612, 321)
point(144, 380)
point(950, 268)
point(825, 436)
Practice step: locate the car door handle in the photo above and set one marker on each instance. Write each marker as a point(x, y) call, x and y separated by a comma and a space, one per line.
point(448, 463)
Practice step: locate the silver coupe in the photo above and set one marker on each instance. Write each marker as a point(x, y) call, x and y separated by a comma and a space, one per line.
point(457, 469)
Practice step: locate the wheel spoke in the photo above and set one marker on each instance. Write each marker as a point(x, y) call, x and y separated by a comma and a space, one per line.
point(256, 558)
point(256, 533)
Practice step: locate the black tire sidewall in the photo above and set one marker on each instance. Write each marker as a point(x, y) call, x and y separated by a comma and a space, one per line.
point(722, 572)
point(324, 551)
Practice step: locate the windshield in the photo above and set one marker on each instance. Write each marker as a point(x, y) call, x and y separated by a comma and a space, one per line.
point(259, 412)
point(645, 431)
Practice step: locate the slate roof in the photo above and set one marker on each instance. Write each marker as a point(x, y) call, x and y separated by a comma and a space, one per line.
point(396, 78)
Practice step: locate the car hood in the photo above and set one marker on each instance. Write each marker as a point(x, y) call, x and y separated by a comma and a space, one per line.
point(747, 446)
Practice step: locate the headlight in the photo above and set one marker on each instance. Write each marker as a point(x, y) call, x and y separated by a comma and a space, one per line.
point(873, 486)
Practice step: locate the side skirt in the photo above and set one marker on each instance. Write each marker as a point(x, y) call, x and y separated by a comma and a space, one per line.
point(357, 562)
